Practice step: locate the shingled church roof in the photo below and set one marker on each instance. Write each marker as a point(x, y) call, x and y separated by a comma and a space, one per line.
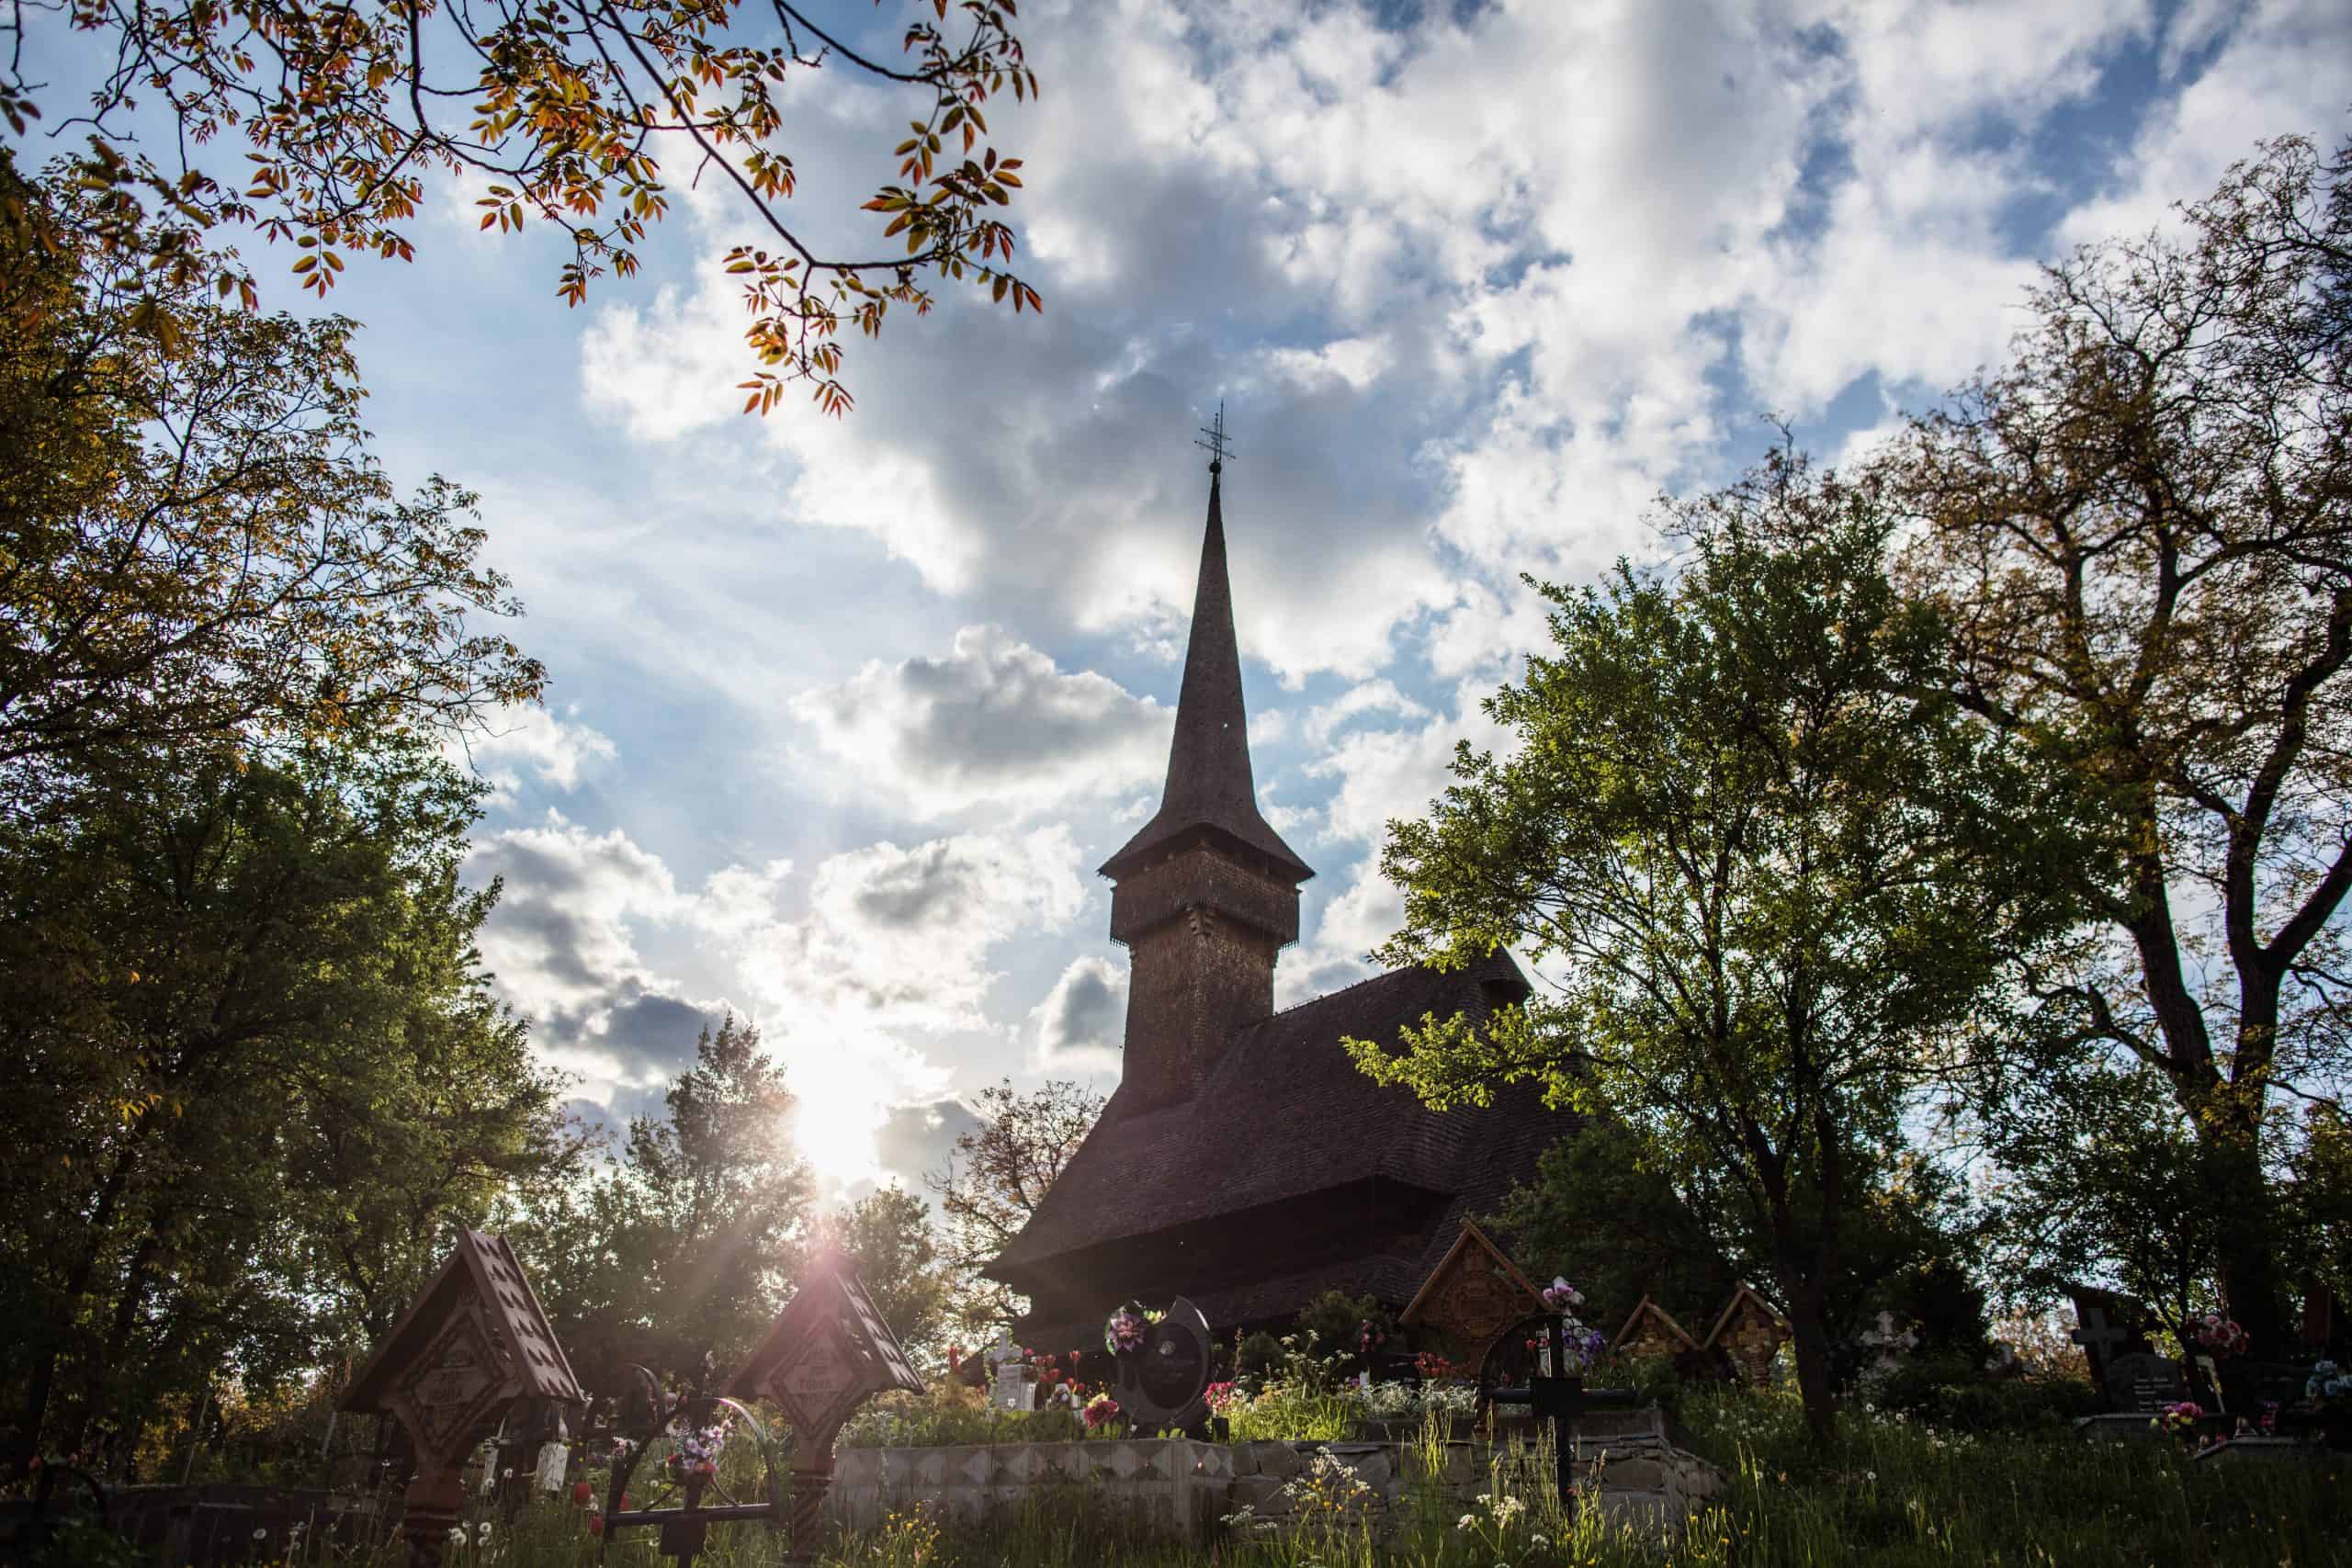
point(1209, 786)
point(1284, 1113)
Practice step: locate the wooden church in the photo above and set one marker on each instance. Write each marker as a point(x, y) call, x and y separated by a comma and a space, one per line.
point(1243, 1161)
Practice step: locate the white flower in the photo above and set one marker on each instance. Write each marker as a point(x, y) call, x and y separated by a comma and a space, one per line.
point(458, 1535)
point(262, 1534)
point(485, 1531)
point(506, 1474)
point(1870, 1476)
point(1467, 1521)
point(1539, 1538)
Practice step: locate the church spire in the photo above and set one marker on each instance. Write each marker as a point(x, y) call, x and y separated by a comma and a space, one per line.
point(1209, 787)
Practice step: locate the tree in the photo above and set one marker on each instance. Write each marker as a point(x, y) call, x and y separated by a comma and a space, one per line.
point(1778, 885)
point(230, 988)
point(575, 119)
point(692, 1242)
point(196, 546)
point(1007, 1165)
point(1600, 1214)
point(887, 1234)
point(2140, 532)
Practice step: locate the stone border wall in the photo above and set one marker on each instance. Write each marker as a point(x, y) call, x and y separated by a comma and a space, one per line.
point(1185, 1487)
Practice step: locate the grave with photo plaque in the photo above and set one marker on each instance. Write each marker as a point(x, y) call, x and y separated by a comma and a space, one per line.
point(1163, 1376)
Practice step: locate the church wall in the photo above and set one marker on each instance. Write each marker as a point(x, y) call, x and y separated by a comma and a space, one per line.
point(1193, 981)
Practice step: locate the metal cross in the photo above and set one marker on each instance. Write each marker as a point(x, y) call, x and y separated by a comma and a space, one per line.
point(1215, 445)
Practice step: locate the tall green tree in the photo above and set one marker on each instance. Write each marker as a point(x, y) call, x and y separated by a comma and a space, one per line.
point(887, 1234)
point(694, 1237)
point(2140, 530)
point(197, 547)
point(263, 1074)
point(1776, 887)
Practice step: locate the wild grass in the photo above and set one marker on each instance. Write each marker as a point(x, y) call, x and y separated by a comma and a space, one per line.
point(1887, 1493)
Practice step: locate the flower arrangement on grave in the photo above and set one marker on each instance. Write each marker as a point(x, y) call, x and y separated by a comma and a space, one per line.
point(2179, 1416)
point(1435, 1368)
point(1370, 1336)
point(1124, 1334)
point(1585, 1345)
point(1224, 1398)
point(1100, 1412)
point(698, 1449)
point(2220, 1338)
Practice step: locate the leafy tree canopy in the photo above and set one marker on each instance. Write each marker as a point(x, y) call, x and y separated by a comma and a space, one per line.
point(999, 1173)
point(2140, 533)
point(341, 119)
point(1776, 887)
point(196, 546)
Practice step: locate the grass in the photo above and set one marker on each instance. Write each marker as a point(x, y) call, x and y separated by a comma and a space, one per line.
point(1885, 1492)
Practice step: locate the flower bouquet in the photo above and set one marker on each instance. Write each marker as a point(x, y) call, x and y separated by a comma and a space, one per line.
point(2178, 1417)
point(2220, 1338)
point(1124, 1334)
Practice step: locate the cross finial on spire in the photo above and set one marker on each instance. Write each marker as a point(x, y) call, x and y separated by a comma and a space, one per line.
point(1215, 445)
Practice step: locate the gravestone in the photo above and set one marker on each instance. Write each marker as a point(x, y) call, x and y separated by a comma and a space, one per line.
point(1652, 1331)
point(826, 1354)
point(1163, 1381)
point(473, 1343)
point(1889, 1346)
point(1473, 1294)
point(1749, 1332)
point(1011, 1386)
point(2107, 1325)
point(2142, 1383)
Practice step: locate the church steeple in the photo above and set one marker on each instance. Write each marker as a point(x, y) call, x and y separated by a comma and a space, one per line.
point(1209, 787)
point(1207, 892)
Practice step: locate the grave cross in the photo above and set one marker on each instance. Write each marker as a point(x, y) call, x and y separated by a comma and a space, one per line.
point(2101, 1339)
point(1561, 1399)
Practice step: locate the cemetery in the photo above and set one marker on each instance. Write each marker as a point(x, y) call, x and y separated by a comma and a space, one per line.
point(1414, 783)
point(826, 1444)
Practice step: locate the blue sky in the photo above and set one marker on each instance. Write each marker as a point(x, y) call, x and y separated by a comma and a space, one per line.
point(844, 714)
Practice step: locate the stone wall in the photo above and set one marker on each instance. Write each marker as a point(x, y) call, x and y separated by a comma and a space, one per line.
point(1187, 1487)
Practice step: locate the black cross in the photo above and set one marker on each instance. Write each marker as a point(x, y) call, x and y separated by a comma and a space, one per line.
point(1215, 445)
point(1560, 1400)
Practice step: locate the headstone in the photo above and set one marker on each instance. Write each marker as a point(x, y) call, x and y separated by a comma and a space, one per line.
point(1889, 1346)
point(1011, 1386)
point(2142, 1383)
point(1750, 1332)
point(2107, 1325)
point(473, 1343)
point(555, 1461)
point(1473, 1294)
point(826, 1354)
point(1163, 1380)
point(2318, 1327)
point(1651, 1331)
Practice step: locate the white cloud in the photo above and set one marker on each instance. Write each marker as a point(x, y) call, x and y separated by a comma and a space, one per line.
point(891, 949)
point(553, 749)
point(995, 722)
point(1081, 1024)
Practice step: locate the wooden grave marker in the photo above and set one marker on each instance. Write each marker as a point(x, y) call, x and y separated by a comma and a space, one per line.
point(1473, 1295)
point(473, 1343)
point(827, 1352)
point(1749, 1331)
point(1650, 1330)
